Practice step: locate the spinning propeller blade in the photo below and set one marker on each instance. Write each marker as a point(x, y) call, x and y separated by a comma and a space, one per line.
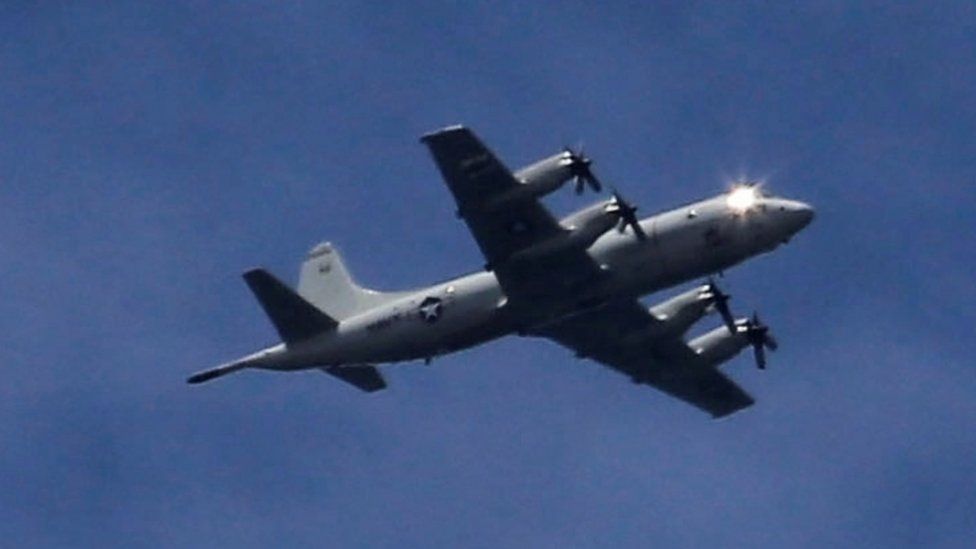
point(582, 173)
point(759, 337)
point(721, 301)
point(627, 213)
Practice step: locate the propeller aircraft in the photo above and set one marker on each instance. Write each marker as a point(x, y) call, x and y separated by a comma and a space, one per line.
point(575, 281)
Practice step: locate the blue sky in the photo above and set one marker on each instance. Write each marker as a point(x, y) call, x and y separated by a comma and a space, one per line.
point(150, 153)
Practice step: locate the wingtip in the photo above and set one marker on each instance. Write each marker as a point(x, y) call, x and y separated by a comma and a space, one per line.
point(447, 129)
point(731, 411)
point(252, 272)
point(376, 389)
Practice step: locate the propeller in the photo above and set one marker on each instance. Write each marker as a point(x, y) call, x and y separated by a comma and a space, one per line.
point(759, 337)
point(580, 168)
point(627, 214)
point(720, 300)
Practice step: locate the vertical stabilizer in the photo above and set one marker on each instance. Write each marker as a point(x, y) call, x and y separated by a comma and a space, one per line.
point(326, 283)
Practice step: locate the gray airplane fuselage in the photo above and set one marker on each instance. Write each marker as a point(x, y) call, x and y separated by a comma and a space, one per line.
point(683, 244)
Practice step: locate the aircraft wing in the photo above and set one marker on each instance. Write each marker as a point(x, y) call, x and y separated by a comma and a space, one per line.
point(611, 335)
point(477, 179)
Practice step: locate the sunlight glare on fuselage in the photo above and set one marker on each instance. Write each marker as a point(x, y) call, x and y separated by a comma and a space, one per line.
point(741, 199)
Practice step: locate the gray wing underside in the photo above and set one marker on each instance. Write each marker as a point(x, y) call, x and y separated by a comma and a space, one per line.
point(477, 179)
point(609, 335)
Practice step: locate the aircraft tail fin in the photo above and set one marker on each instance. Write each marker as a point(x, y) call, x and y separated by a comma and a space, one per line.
point(295, 318)
point(326, 283)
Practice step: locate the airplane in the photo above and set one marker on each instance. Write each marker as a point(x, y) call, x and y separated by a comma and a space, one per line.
point(575, 281)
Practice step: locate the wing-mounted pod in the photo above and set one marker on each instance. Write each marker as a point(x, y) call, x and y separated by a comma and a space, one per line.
point(548, 175)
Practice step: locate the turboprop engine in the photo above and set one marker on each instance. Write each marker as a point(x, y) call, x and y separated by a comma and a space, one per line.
point(590, 223)
point(549, 174)
point(679, 313)
point(721, 345)
point(584, 227)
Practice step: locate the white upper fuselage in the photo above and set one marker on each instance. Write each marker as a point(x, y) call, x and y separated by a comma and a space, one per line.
point(682, 244)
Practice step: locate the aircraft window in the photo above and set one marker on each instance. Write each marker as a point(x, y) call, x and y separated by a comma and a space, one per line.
point(692, 213)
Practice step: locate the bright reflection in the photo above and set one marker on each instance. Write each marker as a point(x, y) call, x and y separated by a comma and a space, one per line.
point(742, 198)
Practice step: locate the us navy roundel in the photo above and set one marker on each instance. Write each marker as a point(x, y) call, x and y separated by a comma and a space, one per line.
point(430, 309)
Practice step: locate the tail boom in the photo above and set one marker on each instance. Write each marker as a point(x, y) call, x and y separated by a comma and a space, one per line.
point(266, 358)
point(214, 373)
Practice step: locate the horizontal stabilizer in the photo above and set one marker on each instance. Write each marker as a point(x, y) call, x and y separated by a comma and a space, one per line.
point(366, 378)
point(212, 373)
point(293, 317)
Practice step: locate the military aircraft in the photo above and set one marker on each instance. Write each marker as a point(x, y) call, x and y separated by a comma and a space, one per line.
point(575, 281)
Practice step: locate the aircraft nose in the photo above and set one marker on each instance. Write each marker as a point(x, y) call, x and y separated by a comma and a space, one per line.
point(798, 215)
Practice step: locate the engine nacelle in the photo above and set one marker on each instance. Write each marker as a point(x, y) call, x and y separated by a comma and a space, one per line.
point(720, 345)
point(539, 179)
point(548, 174)
point(583, 228)
point(679, 313)
point(589, 224)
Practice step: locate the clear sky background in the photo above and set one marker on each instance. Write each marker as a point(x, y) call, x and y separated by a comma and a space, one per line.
point(151, 152)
